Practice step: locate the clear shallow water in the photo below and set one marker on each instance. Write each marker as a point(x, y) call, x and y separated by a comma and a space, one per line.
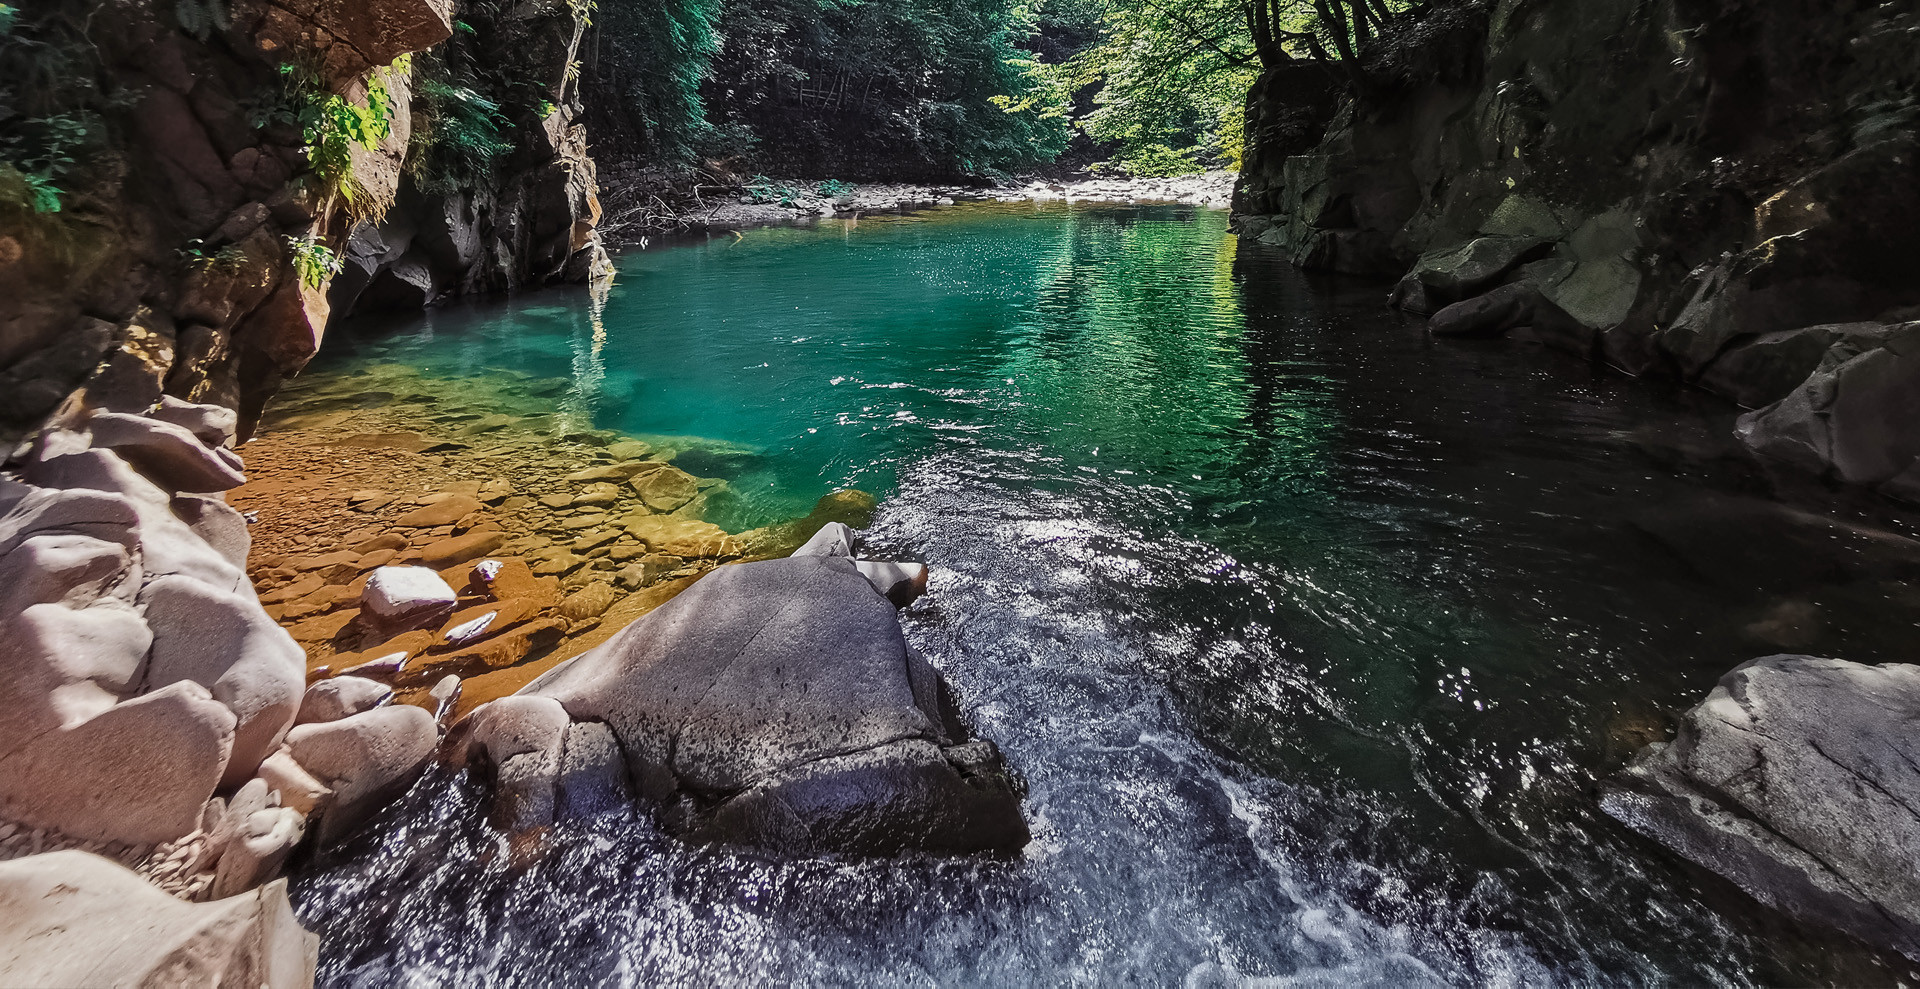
point(1312, 637)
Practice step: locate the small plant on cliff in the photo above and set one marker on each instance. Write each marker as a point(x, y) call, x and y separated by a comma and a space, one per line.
point(331, 124)
point(315, 261)
point(196, 255)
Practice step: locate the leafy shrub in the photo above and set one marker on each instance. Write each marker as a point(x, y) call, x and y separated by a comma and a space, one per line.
point(315, 261)
point(458, 135)
point(1157, 161)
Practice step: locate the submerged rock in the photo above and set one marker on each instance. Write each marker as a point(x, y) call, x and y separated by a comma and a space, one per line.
point(1799, 780)
point(773, 704)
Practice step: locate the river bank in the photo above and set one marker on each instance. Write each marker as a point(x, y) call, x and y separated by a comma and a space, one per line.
point(640, 201)
point(392, 466)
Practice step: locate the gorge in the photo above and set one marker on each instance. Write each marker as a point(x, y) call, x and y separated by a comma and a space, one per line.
point(1340, 590)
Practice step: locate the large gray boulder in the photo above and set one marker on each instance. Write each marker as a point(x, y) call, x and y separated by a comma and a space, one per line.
point(75, 919)
point(777, 704)
point(1799, 780)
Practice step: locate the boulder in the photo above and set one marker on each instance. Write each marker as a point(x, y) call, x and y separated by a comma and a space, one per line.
point(593, 773)
point(63, 568)
point(219, 524)
point(138, 772)
point(777, 704)
point(833, 539)
point(71, 918)
point(1444, 277)
point(900, 583)
point(1759, 371)
point(226, 643)
point(520, 741)
point(214, 425)
point(257, 850)
point(166, 453)
point(1489, 315)
point(1852, 417)
point(1799, 780)
point(406, 595)
point(341, 697)
point(367, 760)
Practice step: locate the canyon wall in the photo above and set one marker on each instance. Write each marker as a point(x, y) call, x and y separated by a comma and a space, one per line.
point(249, 179)
point(1725, 192)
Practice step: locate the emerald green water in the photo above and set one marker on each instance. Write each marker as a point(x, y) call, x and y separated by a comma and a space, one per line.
point(1312, 637)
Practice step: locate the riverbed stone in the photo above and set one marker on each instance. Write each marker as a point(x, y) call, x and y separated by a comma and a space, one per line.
point(833, 539)
point(398, 595)
point(71, 918)
point(460, 549)
point(1798, 778)
point(213, 425)
point(445, 511)
point(666, 489)
point(776, 704)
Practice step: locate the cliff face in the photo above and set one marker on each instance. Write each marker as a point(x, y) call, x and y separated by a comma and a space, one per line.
point(1724, 191)
point(244, 195)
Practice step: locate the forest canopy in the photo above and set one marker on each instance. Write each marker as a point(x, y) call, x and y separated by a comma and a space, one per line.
point(949, 88)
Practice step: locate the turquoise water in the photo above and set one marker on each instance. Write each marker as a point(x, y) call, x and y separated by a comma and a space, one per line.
point(1312, 636)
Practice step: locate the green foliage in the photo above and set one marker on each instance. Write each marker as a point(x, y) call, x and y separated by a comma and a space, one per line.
point(833, 189)
point(1168, 74)
point(50, 106)
point(880, 86)
point(1156, 161)
point(653, 56)
point(331, 125)
point(458, 135)
point(315, 261)
point(228, 258)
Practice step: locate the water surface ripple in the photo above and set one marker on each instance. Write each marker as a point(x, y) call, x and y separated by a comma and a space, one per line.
point(1310, 636)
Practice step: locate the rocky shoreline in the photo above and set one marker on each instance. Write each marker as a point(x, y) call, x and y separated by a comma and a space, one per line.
point(790, 201)
point(409, 559)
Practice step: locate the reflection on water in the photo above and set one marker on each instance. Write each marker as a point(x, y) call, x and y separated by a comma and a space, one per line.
point(1311, 636)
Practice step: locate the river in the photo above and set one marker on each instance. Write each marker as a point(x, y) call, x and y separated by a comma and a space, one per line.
point(1311, 636)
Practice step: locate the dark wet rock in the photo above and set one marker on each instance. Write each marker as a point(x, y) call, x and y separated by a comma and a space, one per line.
point(1799, 780)
point(1759, 371)
point(1713, 537)
point(777, 704)
point(1441, 278)
point(1491, 315)
point(593, 773)
point(1853, 418)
